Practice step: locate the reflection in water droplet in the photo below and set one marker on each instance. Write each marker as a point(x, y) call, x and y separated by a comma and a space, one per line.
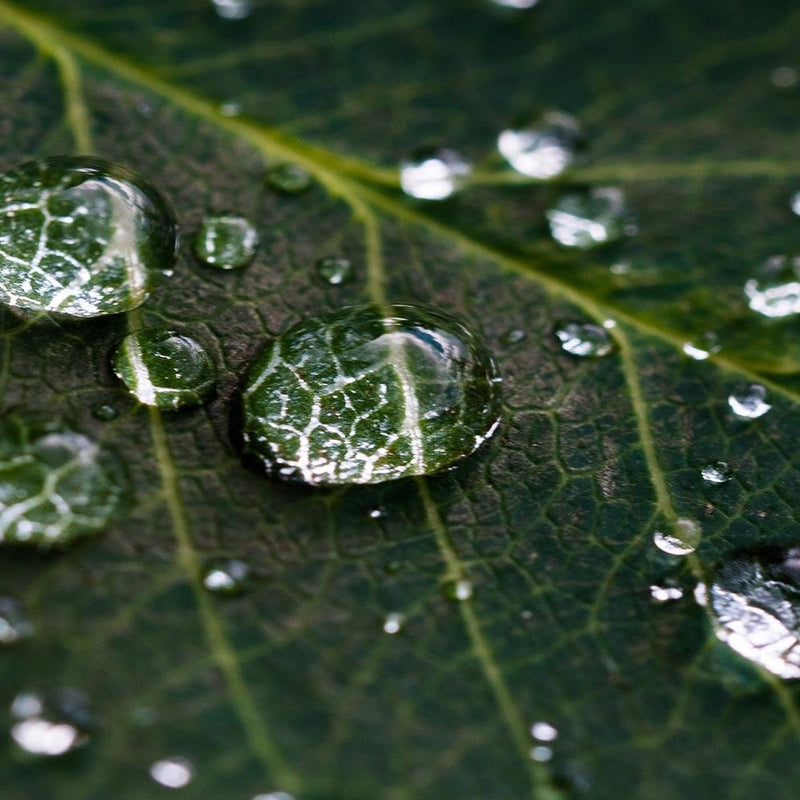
point(682, 541)
point(584, 339)
point(55, 485)
point(544, 148)
point(666, 592)
point(716, 472)
point(755, 599)
point(14, 623)
point(50, 726)
point(591, 218)
point(164, 368)
point(783, 77)
point(232, 9)
point(226, 577)
point(81, 237)
point(335, 271)
point(358, 397)
point(434, 174)
point(544, 732)
point(226, 242)
point(541, 753)
point(749, 401)
point(104, 412)
point(707, 345)
point(775, 291)
point(288, 178)
point(174, 772)
point(460, 589)
point(393, 623)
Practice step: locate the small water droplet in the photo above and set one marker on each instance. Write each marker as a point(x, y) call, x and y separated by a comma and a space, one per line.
point(682, 541)
point(226, 577)
point(590, 218)
point(104, 412)
point(795, 203)
point(376, 513)
point(288, 178)
point(716, 472)
point(513, 336)
point(749, 401)
point(164, 368)
point(783, 77)
point(666, 592)
point(515, 3)
point(434, 174)
point(347, 397)
point(584, 339)
point(705, 346)
point(775, 291)
point(541, 753)
point(55, 485)
point(544, 732)
point(226, 242)
point(81, 237)
point(335, 270)
point(460, 589)
point(50, 726)
point(14, 623)
point(173, 772)
point(754, 600)
point(274, 796)
point(544, 148)
point(230, 109)
point(393, 623)
point(232, 9)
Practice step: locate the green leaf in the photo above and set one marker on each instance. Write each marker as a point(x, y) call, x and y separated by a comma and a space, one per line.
point(546, 533)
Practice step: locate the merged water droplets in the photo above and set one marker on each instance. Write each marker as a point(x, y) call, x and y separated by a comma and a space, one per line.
point(584, 339)
point(226, 578)
point(749, 401)
point(666, 592)
point(174, 772)
point(359, 397)
point(434, 174)
point(590, 218)
point(543, 148)
point(775, 291)
point(164, 368)
point(226, 242)
point(50, 725)
point(14, 623)
point(55, 485)
point(81, 237)
point(755, 600)
point(682, 540)
point(288, 178)
point(335, 270)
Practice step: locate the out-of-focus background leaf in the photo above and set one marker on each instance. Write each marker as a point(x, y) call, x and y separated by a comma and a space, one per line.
point(294, 686)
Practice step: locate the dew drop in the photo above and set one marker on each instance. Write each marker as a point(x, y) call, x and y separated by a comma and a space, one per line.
point(232, 9)
point(230, 109)
point(173, 772)
point(335, 270)
point(544, 148)
point(590, 218)
point(358, 397)
point(716, 472)
point(705, 347)
point(393, 623)
point(541, 753)
point(226, 578)
point(81, 237)
point(749, 401)
point(104, 412)
point(513, 336)
point(55, 485)
point(164, 368)
point(460, 589)
point(226, 242)
point(274, 796)
point(53, 725)
point(544, 732)
point(666, 592)
point(434, 174)
point(376, 513)
point(515, 3)
point(783, 77)
point(795, 203)
point(682, 541)
point(754, 598)
point(584, 339)
point(14, 623)
point(288, 178)
point(775, 291)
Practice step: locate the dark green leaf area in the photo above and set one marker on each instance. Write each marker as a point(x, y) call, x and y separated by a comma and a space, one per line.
point(366, 395)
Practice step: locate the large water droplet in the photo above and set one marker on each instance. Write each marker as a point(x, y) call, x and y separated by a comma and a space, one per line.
point(584, 339)
point(52, 725)
point(55, 485)
point(775, 291)
point(164, 368)
point(14, 623)
point(226, 242)
point(685, 537)
point(81, 237)
point(226, 577)
point(334, 270)
point(288, 178)
point(755, 600)
point(358, 397)
point(749, 401)
point(434, 174)
point(716, 472)
point(544, 148)
point(590, 218)
point(174, 772)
